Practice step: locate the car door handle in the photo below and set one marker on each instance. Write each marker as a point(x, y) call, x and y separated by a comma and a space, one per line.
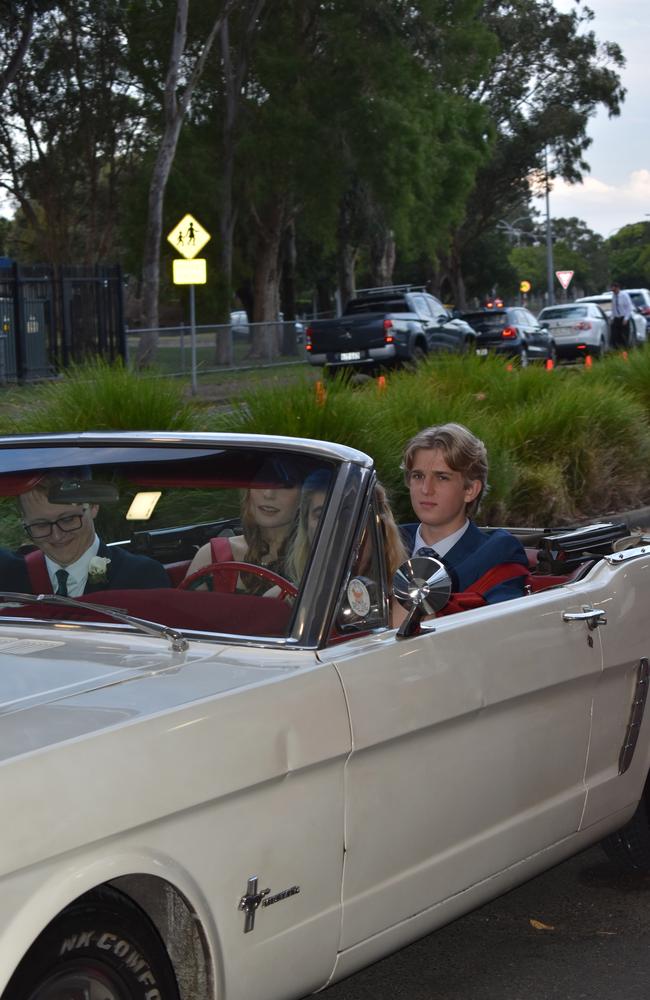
point(592, 616)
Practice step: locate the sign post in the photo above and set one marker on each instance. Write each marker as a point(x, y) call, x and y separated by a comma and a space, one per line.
point(188, 237)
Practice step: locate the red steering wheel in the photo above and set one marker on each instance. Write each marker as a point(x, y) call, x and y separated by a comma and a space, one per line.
point(216, 570)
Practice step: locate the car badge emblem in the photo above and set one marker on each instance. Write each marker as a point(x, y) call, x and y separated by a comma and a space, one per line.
point(255, 898)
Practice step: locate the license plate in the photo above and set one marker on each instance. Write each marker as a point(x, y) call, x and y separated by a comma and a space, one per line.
point(350, 356)
point(481, 351)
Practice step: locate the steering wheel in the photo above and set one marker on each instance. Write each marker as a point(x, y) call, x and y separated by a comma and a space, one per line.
point(213, 571)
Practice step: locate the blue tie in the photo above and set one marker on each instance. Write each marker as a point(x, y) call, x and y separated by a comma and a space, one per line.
point(425, 550)
point(62, 577)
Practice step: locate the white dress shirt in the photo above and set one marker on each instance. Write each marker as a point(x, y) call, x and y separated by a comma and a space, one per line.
point(621, 305)
point(444, 545)
point(77, 571)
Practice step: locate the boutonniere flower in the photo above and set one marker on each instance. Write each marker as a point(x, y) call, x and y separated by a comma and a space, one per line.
point(98, 569)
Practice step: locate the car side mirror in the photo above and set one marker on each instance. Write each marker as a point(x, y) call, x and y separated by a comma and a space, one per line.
point(422, 585)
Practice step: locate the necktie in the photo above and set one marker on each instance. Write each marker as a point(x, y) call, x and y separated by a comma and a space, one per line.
point(62, 588)
point(425, 550)
point(617, 311)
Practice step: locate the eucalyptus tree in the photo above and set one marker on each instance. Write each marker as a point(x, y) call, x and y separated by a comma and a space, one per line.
point(185, 66)
point(16, 26)
point(629, 255)
point(354, 129)
point(549, 77)
point(70, 129)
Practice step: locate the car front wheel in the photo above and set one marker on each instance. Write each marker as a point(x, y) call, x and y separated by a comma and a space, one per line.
point(101, 947)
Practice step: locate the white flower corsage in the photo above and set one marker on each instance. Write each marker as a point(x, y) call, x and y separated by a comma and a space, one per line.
point(98, 569)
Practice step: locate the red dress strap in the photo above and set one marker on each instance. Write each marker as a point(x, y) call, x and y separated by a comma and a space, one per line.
point(220, 550)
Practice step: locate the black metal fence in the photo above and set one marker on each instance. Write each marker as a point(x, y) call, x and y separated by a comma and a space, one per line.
point(51, 317)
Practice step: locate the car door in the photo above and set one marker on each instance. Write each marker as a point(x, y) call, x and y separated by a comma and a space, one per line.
point(536, 336)
point(443, 335)
point(469, 750)
point(618, 754)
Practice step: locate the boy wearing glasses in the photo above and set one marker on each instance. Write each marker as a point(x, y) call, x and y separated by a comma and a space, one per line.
point(71, 558)
point(445, 469)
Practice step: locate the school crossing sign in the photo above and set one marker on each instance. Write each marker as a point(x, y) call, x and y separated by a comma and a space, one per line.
point(188, 237)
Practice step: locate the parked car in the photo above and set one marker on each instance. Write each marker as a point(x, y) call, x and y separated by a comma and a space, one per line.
point(239, 322)
point(604, 300)
point(253, 790)
point(385, 327)
point(577, 329)
point(641, 299)
point(511, 331)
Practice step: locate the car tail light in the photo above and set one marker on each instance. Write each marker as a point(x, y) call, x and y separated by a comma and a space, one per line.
point(308, 344)
point(581, 347)
point(583, 325)
point(508, 331)
point(388, 326)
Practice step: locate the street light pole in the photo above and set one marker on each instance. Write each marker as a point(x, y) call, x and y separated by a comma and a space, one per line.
point(549, 235)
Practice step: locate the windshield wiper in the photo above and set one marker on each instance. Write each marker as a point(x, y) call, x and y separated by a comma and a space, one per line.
point(178, 642)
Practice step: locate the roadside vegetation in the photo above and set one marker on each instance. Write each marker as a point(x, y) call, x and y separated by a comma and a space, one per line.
point(564, 444)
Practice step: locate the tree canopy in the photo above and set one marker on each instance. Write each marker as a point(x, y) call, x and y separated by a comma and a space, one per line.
point(318, 142)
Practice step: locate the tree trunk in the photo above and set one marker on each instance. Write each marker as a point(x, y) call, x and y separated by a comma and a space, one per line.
point(8, 75)
point(382, 257)
point(288, 290)
point(266, 281)
point(234, 75)
point(175, 109)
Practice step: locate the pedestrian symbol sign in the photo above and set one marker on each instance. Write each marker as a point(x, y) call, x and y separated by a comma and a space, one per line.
point(188, 237)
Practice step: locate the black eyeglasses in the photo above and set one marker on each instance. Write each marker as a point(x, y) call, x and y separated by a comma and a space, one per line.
point(43, 529)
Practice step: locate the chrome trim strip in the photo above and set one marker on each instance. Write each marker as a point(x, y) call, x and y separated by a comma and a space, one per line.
point(626, 554)
point(636, 716)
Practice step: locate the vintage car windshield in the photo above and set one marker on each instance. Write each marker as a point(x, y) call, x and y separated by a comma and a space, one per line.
point(205, 539)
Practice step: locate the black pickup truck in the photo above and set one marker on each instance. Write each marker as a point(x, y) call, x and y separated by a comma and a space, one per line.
point(384, 327)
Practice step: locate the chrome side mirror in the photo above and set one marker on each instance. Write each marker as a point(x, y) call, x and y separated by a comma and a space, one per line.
point(422, 585)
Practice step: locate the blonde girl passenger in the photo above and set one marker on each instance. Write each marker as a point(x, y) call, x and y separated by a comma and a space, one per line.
point(268, 516)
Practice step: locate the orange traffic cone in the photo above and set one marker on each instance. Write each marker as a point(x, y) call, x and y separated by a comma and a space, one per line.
point(381, 383)
point(625, 358)
point(321, 393)
point(588, 361)
point(509, 367)
point(549, 364)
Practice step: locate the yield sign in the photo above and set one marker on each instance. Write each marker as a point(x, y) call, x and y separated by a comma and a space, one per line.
point(564, 277)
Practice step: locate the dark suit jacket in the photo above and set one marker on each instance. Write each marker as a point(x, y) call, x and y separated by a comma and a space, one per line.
point(474, 554)
point(13, 573)
point(127, 571)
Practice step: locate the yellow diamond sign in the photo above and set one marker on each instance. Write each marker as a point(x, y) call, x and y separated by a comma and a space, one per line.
point(188, 237)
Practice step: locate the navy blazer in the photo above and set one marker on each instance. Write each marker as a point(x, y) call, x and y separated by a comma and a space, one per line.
point(13, 573)
point(474, 554)
point(127, 571)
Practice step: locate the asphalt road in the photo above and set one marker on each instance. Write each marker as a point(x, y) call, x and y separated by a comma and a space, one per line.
point(594, 944)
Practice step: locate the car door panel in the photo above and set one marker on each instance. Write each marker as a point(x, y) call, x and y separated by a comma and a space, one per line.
point(626, 642)
point(469, 752)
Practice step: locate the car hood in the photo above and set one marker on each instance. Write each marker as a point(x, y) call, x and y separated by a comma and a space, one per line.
point(55, 687)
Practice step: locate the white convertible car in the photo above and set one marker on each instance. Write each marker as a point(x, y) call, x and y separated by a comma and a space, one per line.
point(253, 788)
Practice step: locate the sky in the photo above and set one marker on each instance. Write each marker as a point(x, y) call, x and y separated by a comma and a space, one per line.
point(616, 191)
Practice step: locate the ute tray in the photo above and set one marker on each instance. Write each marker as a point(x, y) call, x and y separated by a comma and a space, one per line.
point(563, 551)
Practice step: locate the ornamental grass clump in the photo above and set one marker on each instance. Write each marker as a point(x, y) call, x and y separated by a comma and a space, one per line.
point(102, 396)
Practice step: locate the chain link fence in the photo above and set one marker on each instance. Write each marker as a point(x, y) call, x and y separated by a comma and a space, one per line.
point(235, 346)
